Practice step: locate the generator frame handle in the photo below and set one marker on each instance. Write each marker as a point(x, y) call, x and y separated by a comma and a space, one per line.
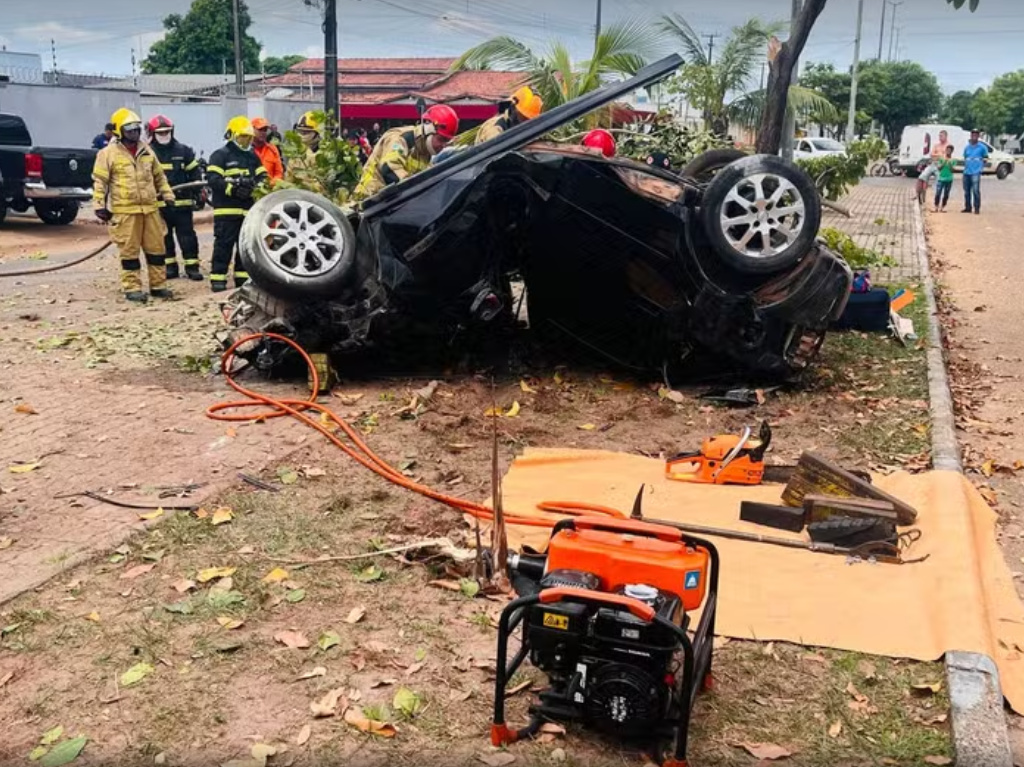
point(697, 654)
point(624, 526)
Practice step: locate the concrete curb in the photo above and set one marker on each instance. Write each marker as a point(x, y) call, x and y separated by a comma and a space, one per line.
point(980, 737)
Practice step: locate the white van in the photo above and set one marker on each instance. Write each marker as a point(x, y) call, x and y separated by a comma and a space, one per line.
point(918, 140)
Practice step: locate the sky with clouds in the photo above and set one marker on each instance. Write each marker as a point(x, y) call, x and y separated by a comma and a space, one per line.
point(964, 50)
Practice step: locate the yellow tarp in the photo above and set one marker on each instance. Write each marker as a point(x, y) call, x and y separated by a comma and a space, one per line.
point(961, 598)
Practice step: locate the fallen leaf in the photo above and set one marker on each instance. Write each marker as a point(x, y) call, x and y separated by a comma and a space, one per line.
point(288, 477)
point(835, 729)
point(313, 471)
point(496, 759)
point(382, 683)
point(469, 587)
point(152, 514)
point(262, 751)
point(514, 410)
point(303, 737)
point(356, 718)
point(868, 670)
point(183, 585)
point(276, 575)
point(327, 640)
point(766, 751)
point(6, 542)
point(988, 468)
point(51, 736)
point(184, 607)
point(222, 515)
point(6, 678)
point(136, 674)
point(447, 585)
point(587, 427)
point(459, 696)
point(136, 571)
point(370, 574)
point(527, 389)
point(926, 688)
point(312, 673)
point(93, 616)
point(229, 624)
point(295, 595)
point(414, 668)
point(37, 753)
point(355, 615)
point(23, 468)
point(940, 761)
point(406, 702)
point(64, 753)
point(672, 395)
point(347, 399)
point(292, 639)
point(26, 409)
point(328, 705)
point(208, 574)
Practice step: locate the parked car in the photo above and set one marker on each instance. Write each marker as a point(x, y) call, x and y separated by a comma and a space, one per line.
point(917, 142)
point(649, 269)
point(55, 181)
point(812, 148)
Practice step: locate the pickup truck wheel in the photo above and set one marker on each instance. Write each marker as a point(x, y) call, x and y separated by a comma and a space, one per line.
point(1003, 171)
point(703, 167)
point(761, 214)
point(57, 213)
point(296, 244)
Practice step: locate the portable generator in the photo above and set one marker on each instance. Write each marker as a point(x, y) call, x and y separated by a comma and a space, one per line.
point(605, 613)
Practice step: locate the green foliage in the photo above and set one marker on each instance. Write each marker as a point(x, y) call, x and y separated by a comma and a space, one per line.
point(958, 4)
point(958, 109)
point(857, 257)
point(666, 135)
point(333, 171)
point(1000, 109)
point(900, 93)
point(201, 41)
point(835, 174)
point(278, 65)
point(834, 87)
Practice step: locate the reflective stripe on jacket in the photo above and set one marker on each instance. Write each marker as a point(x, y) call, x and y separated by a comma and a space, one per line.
point(180, 165)
point(228, 165)
point(493, 128)
point(126, 184)
point(400, 153)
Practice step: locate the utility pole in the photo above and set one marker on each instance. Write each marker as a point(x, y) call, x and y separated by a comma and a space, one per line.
point(331, 105)
point(789, 125)
point(239, 75)
point(899, 31)
point(597, 26)
point(711, 48)
point(851, 123)
point(892, 29)
point(881, 30)
point(53, 52)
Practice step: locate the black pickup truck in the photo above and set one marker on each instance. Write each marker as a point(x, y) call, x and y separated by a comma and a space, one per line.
point(54, 181)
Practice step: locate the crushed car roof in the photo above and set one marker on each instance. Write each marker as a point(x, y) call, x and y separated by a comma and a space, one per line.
point(520, 135)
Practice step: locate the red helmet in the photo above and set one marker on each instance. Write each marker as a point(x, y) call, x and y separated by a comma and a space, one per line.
point(601, 139)
point(444, 120)
point(159, 122)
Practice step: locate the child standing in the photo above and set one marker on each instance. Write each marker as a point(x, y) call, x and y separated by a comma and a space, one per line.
point(945, 183)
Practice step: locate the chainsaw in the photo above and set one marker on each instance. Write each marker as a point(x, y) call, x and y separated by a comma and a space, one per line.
point(729, 459)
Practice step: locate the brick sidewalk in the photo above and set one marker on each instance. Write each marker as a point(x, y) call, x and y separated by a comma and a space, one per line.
point(883, 220)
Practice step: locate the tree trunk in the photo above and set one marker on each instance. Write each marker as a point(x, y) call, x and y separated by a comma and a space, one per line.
point(769, 136)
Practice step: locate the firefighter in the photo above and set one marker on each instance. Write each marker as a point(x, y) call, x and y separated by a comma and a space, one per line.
point(308, 128)
point(128, 188)
point(234, 173)
point(180, 165)
point(600, 140)
point(405, 151)
point(267, 152)
point(525, 105)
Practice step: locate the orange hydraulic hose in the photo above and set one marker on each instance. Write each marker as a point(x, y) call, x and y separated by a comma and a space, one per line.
point(361, 452)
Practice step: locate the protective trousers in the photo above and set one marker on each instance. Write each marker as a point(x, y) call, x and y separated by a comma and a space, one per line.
point(225, 248)
point(133, 233)
point(178, 219)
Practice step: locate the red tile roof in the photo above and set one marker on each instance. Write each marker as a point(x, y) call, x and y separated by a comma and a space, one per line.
point(431, 65)
point(356, 80)
point(486, 86)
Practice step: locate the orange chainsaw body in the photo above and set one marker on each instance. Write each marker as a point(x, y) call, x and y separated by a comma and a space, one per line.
point(712, 465)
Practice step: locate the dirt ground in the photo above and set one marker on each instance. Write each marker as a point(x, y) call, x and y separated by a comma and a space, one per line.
point(978, 265)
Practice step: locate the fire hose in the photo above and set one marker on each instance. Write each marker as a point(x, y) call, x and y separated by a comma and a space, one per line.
point(90, 254)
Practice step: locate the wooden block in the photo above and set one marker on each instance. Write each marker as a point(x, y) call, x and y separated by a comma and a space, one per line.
point(818, 508)
point(770, 515)
point(816, 476)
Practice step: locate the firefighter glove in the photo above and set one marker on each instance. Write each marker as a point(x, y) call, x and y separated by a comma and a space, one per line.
point(104, 215)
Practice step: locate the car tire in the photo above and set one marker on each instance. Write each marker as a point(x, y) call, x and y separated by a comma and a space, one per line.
point(57, 213)
point(297, 244)
point(739, 211)
point(1003, 171)
point(703, 167)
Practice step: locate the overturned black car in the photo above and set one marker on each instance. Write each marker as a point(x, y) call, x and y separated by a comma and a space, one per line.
point(651, 270)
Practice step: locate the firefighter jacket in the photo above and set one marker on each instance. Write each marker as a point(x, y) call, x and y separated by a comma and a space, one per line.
point(233, 173)
point(493, 127)
point(123, 183)
point(400, 153)
point(180, 165)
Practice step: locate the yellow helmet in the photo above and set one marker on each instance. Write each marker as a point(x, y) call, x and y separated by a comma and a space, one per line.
point(123, 117)
point(239, 126)
point(308, 121)
point(527, 103)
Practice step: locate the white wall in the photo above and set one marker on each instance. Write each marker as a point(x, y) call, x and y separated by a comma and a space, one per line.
point(68, 117)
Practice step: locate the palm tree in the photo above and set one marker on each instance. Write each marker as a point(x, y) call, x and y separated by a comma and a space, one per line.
point(621, 50)
point(708, 84)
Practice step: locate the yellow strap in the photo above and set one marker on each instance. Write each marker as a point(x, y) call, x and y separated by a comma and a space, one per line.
point(261, 170)
point(230, 212)
point(183, 203)
point(192, 165)
point(215, 169)
point(167, 165)
point(242, 275)
point(218, 278)
point(237, 172)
